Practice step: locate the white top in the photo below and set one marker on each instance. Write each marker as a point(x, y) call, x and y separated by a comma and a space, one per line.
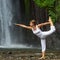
point(42, 34)
point(37, 32)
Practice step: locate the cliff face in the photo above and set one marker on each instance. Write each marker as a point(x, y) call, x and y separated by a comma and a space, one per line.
point(53, 41)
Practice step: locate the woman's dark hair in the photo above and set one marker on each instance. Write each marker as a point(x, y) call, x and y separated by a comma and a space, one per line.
point(33, 21)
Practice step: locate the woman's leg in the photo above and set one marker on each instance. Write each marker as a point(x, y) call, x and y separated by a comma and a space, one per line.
point(52, 29)
point(43, 45)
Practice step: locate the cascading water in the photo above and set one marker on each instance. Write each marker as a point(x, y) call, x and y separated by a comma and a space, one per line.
point(10, 39)
point(5, 22)
point(5, 17)
point(11, 36)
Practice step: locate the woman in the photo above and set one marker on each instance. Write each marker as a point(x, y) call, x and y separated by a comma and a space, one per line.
point(37, 31)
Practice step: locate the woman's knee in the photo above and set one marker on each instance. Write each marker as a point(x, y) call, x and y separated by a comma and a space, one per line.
point(53, 29)
point(44, 49)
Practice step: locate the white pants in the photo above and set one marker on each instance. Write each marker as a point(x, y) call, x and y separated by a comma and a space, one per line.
point(43, 44)
point(44, 35)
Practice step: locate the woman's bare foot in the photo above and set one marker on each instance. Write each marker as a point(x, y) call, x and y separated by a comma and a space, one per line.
point(50, 20)
point(42, 58)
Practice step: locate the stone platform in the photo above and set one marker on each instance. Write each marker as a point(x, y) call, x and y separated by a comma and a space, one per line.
point(23, 54)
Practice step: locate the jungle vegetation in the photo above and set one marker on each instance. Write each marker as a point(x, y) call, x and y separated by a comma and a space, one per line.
point(53, 7)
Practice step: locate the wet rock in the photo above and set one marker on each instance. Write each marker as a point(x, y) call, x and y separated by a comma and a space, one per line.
point(28, 56)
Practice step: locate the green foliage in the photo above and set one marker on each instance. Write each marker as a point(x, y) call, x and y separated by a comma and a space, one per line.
point(53, 15)
point(44, 3)
point(49, 4)
point(53, 7)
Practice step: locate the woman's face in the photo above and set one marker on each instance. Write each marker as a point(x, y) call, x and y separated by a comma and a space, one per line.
point(31, 24)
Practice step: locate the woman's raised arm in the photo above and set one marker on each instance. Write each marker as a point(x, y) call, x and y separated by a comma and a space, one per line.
point(24, 26)
point(42, 24)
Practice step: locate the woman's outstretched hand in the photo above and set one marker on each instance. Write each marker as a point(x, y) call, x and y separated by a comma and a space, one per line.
point(24, 26)
point(17, 24)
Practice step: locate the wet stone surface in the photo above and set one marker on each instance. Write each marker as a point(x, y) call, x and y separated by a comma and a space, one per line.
point(17, 55)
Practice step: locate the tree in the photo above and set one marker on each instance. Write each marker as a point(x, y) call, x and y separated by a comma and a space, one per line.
point(49, 5)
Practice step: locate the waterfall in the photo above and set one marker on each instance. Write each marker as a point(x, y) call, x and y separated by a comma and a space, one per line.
point(5, 17)
point(11, 36)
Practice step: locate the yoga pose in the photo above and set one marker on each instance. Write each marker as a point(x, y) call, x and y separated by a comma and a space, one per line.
point(41, 34)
